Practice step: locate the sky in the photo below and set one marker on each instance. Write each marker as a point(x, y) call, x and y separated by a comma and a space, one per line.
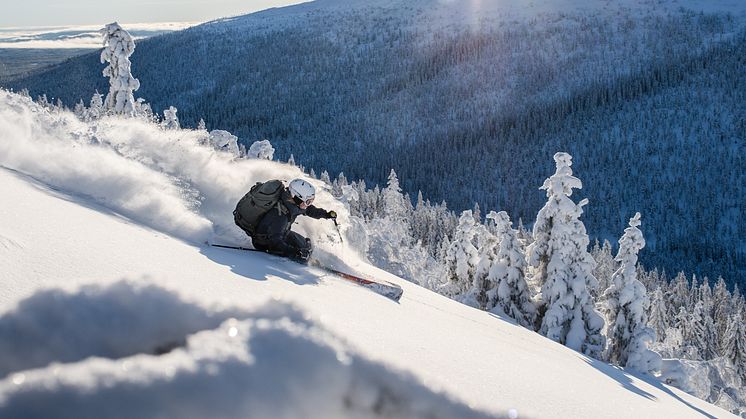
point(39, 13)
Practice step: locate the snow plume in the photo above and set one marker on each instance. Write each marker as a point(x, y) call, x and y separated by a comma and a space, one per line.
point(269, 362)
point(563, 267)
point(119, 45)
point(170, 180)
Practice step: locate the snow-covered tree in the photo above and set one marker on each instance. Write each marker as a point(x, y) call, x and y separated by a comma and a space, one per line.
point(325, 177)
point(605, 264)
point(482, 290)
point(96, 108)
point(686, 347)
point(511, 293)
point(563, 268)
point(734, 345)
point(393, 201)
point(721, 307)
point(80, 110)
point(658, 318)
point(625, 304)
point(170, 120)
point(708, 339)
point(462, 256)
point(261, 150)
point(679, 294)
point(201, 126)
point(224, 141)
point(118, 47)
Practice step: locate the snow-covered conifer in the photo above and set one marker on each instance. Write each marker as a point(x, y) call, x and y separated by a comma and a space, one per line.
point(477, 213)
point(96, 108)
point(658, 318)
point(261, 150)
point(721, 307)
point(170, 120)
point(224, 141)
point(605, 265)
point(80, 110)
point(625, 304)
point(393, 200)
point(734, 345)
point(325, 177)
point(462, 256)
point(563, 268)
point(511, 293)
point(201, 126)
point(291, 160)
point(679, 294)
point(118, 47)
point(43, 101)
point(686, 349)
point(694, 332)
point(482, 292)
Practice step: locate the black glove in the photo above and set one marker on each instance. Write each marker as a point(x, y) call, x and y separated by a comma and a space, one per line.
point(331, 214)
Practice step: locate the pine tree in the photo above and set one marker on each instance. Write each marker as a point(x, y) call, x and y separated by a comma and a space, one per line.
point(605, 264)
point(393, 200)
point(678, 294)
point(170, 120)
point(462, 257)
point(721, 307)
point(511, 293)
point(734, 345)
point(201, 126)
point(80, 110)
point(325, 177)
point(119, 47)
point(658, 317)
point(563, 267)
point(625, 304)
point(481, 287)
point(96, 108)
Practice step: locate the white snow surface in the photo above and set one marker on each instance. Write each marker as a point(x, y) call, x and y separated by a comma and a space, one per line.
point(110, 306)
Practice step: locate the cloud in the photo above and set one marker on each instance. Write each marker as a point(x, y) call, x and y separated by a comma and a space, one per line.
point(78, 36)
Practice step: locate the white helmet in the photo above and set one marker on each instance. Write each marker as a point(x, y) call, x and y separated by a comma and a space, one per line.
point(302, 190)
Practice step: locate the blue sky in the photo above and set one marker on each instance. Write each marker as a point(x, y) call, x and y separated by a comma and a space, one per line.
point(27, 13)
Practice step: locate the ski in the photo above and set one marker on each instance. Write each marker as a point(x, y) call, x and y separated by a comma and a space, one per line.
point(384, 288)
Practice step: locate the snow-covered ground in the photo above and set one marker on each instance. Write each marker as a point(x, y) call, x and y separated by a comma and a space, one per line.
point(111, 306)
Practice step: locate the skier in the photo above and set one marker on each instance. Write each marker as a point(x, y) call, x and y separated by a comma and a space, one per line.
point(270, 229)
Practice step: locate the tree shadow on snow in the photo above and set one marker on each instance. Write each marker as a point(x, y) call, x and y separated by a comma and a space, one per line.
point(625, 379)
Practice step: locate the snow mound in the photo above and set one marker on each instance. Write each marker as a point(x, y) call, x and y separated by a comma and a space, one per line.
point(271, 362)
point(116, 321)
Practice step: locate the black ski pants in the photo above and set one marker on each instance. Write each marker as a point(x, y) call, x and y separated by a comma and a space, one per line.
point(294, 246)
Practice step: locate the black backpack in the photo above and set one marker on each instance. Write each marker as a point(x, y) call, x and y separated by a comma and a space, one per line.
point(261, 198)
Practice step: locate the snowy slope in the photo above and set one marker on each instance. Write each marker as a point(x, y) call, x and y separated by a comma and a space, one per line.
point(109, 311)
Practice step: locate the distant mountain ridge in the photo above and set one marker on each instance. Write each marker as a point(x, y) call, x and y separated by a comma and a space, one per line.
point(469, 104)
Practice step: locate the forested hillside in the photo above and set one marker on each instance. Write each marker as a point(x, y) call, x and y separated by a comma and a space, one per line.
point(469, 106)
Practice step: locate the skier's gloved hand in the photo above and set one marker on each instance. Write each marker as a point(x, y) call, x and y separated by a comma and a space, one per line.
point(331, 214)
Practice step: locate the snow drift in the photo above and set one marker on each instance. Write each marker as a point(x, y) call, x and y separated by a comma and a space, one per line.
point(186, 363)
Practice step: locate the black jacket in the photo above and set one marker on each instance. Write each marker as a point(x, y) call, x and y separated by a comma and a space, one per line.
point(274, 227)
